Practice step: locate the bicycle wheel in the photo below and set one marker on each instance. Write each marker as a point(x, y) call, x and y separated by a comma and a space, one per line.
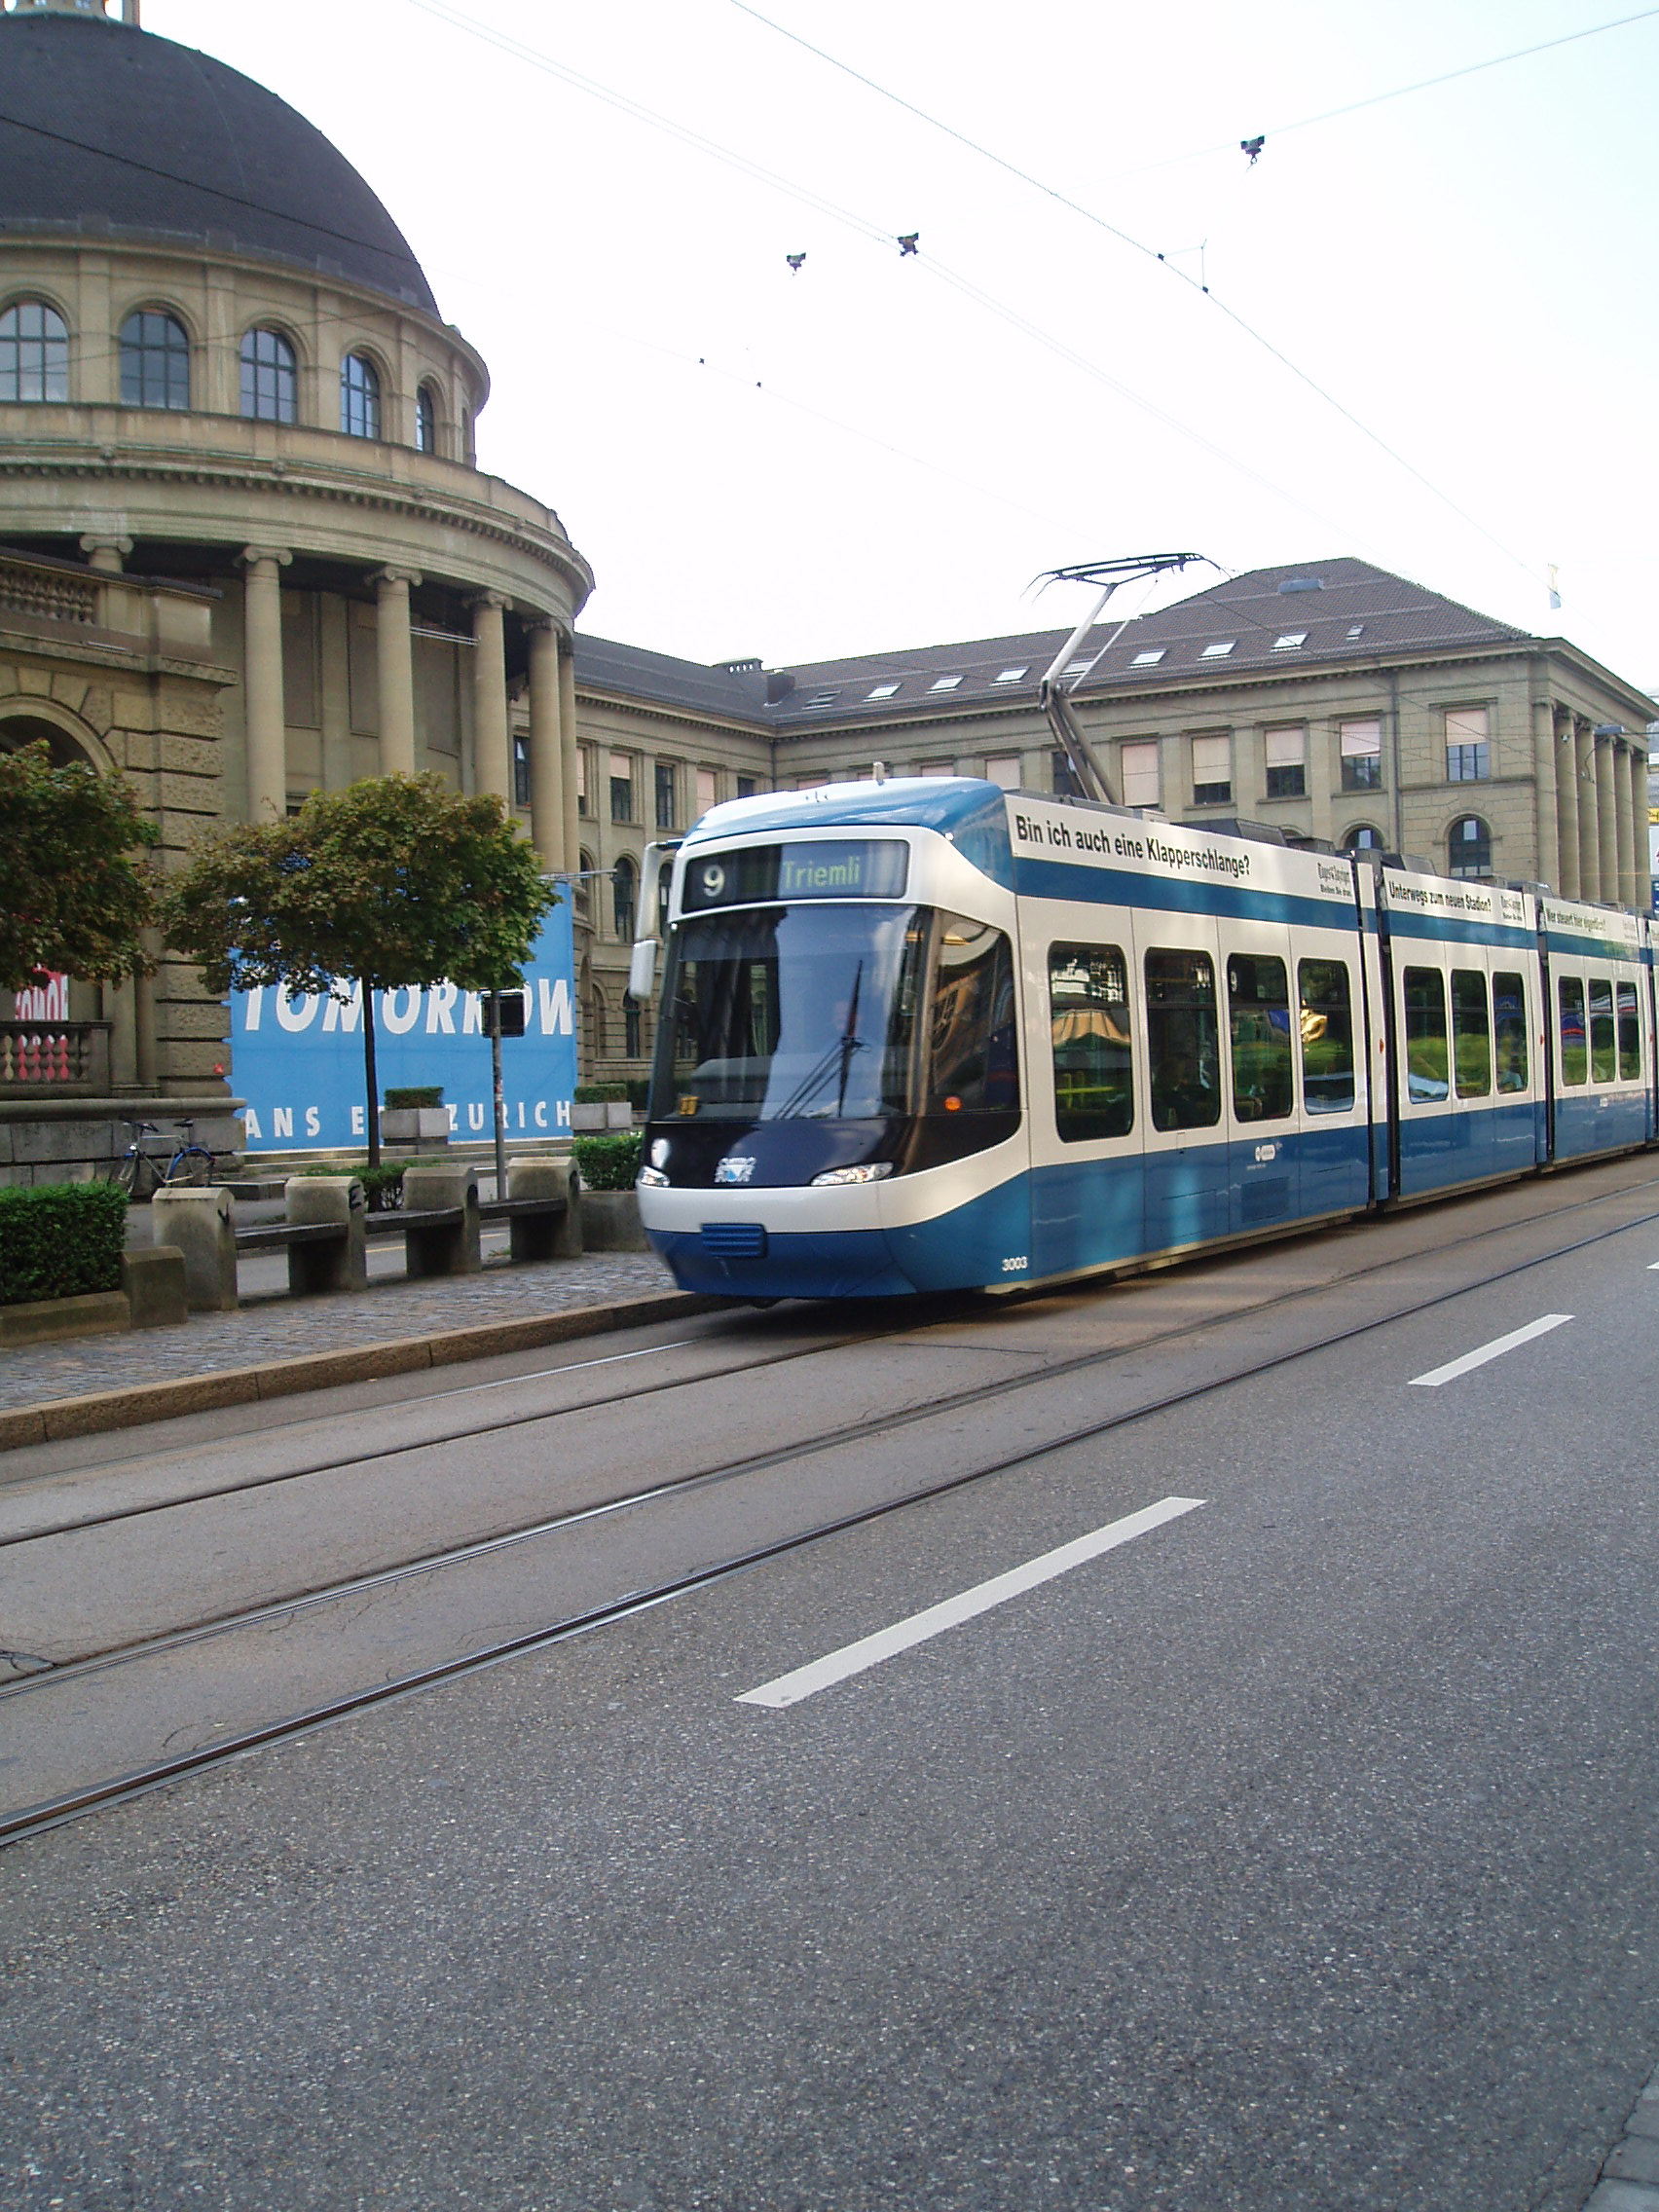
point(137, 1176)
point(194, 1165)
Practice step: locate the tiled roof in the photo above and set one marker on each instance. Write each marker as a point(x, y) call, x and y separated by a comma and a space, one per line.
point(1314, 613)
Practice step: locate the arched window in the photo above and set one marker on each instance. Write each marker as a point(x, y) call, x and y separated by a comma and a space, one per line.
point(360, 397)
point(34, 352)
point(155, 362)
point(583, 906)
point(1469, 847)
point(466, 453)
point(1363, 838)
point(268, 377)
point(425, 420)
point(633, 1027)
point(623, 883)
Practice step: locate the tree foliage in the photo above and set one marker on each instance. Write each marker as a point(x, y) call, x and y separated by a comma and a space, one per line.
point(392, 882)
point(75, 898)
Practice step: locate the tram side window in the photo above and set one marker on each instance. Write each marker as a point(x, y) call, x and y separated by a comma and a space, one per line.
point(973, 1064)
point(1258, 1012)
point(1426, 1034)
point(1089, 1027)
point(1471, 1033)
point(1574, 1062)
point(1602, 1057)
point(1327, 1036)
point(1185, 1041)
point(1509, 1030)
point(1629, 1035)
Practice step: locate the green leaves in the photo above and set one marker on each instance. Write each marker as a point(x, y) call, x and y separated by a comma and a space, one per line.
point(396, 881)
point(75, 898)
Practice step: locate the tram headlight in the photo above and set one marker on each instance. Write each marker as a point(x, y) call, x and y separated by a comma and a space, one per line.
point(650, 1179)
point(867, 1171)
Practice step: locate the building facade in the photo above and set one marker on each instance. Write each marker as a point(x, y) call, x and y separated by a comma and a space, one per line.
point(245, 549)
point(1332, 702)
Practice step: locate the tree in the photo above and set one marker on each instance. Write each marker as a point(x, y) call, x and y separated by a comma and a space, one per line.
point(76, 900)
point(396, 881)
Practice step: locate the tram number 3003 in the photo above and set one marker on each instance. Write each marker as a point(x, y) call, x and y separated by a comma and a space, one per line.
point(1017, 1265)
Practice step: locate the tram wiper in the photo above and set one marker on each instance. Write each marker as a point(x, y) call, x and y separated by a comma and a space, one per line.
point(839, 1053)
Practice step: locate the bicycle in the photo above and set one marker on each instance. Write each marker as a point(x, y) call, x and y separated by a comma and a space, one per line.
point(141, 1174)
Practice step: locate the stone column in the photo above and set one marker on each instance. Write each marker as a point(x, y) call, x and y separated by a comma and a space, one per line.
point(1607, 820)
point(568, 751)
point(118, 999)
point(546, 768)
point(262, 684)
point(1637, 769)
point(334, 639)
point(396, 666)
point(106, 552)
point(492, 746)
point(1588, 829)
point(1544, 794)
point(1567, 804)
point(1626, 822)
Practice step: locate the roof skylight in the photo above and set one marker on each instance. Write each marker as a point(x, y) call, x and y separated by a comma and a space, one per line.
point(945, 683)
point(823, 698)
point(1290, 641)
point(1150, 658)
point(1358, 631)
point(1012, 674)
point(884, 690)
point(1219, 650)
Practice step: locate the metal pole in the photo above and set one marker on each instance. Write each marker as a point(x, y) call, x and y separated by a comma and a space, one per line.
point(501, 1101)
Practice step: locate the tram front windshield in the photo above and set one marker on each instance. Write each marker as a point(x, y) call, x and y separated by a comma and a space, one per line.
point(818, 1012)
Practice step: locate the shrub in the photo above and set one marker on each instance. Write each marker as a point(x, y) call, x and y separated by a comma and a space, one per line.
point(61, 1240)
point(413, 1094)
point(609, 1162)
point(600, 1093)
point(638, 1090)
point(382, 1186)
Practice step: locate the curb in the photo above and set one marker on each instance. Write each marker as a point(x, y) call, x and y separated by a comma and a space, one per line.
point(56, 1418)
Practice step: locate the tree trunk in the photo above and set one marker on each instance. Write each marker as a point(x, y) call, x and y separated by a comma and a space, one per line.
point(370, 1075)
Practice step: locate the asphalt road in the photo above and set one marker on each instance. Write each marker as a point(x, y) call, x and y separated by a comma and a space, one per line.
point(1298, 1850)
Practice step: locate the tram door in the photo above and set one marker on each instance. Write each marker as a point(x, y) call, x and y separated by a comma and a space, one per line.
point(1263, 1164)
point(1186, 1138)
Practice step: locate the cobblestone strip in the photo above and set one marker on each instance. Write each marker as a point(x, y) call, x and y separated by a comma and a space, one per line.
point(1630, 2178)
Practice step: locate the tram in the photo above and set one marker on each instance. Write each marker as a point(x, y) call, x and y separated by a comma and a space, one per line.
point(928, 1035)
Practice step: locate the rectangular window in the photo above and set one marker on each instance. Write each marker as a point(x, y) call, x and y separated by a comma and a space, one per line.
point(1509, 1030)
point(1575, 1061)
point(1213, 771)
point(746, 786)
point(665, 794)
point(1137, 764)
point(621, 788)
point(936, 768)
point(1362, 756)
point(1258, 1013)
point(1468, 759)
point(1629, 1035)
point(1327, 1036)
point(1426, 1034)
point(633, 1029)
point(708, 790)
point(1471, 1033)
point(581, 780)
point(1088, 1028)
point(521, 772)
point(1602, 1057)
point(1004, 771)
point(1184, 1041)
point(1287, 763)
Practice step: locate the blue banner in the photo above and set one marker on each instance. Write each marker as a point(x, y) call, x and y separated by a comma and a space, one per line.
point(299, 1061)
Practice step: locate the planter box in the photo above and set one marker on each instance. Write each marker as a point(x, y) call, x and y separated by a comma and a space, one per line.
point(610, 1222)
point(93, 1313)
point(587, 1115)
point(618, 1114)
point(414, 1125)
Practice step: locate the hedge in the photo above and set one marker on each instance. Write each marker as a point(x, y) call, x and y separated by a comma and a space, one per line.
point(382, 1186)
point(608, 1163)
point(413, 1094)
point(61, 1240)
point(600, 1093)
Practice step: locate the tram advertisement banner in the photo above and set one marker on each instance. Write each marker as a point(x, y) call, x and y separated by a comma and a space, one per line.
point(299, 1061)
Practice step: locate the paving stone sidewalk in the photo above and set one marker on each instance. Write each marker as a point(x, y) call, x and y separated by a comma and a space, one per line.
point(273, 1329)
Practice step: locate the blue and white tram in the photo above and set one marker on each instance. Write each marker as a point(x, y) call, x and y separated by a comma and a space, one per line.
point(928, 1035)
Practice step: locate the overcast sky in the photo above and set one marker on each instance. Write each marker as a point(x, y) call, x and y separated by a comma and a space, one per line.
point(885, 450)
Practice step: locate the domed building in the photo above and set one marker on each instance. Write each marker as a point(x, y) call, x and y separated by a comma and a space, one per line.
point(245, 549)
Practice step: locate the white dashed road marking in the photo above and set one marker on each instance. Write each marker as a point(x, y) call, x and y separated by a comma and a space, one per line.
point(1483, 1353)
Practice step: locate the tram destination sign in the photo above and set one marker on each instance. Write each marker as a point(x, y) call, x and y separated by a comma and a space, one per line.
point(826, 868)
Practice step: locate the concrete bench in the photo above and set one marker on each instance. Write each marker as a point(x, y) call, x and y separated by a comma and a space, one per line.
point(322, 1235)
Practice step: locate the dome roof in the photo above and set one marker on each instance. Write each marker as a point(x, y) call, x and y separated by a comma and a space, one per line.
point(110, 132)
